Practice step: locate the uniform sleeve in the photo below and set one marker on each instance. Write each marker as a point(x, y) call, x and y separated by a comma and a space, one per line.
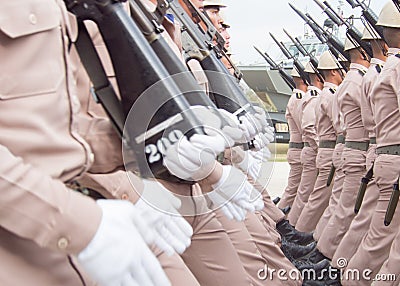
point(308, 122)
point(119, 185)
point(355, 94)
point(37, 207)
point(366, 109)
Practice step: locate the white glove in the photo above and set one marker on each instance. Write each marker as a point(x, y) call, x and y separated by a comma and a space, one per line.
point(212, 122)
point(248, 124)
point(194, 159)
point(158, 209)
point(117, 254)
point(262, 155)
point(232, 130)
point(250, 165)
point(266, 134)
point(233, 191)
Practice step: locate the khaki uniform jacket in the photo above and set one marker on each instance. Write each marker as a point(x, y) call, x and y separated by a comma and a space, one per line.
point(41, 220)
point(293, 115)
point(323, 113)
point(349, 99)
point(308, 119)
point(385, 100)
point(370, 77)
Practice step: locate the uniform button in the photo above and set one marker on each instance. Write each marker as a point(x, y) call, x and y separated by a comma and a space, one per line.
point(62, 243)
point(32, 19)
point(125, 197)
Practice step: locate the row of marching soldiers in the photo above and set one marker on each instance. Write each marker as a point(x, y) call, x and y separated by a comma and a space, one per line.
point(348, 123)
point(59, 150)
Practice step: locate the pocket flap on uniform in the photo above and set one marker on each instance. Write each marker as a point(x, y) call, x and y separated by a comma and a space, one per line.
point(20, 18)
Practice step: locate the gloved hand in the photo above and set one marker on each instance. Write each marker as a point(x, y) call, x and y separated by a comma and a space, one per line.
point(249, 126)
point(117, 254)
point(158, 209)
point(262, 155)
point(212, 122)
point(233, 129)
point(266, 134)
point(249, 165)
point(233, 191)
point(194, 159)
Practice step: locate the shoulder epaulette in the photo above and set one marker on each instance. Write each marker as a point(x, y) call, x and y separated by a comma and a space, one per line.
point(314, 93)
point(299, 95)
point(332, 90)
point(378, 68)
point(362, 72)
point(397, 55)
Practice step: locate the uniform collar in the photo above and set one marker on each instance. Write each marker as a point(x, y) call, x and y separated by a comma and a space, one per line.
point(311, 87)
point(361, 68)
point(375, 61)
point(313, 90)
point(298, 91)
point(393, 51)
point(330, 85)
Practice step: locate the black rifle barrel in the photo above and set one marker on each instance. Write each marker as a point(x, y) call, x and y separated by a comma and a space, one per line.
point(137, 68)
point(353, 32)
point(225, 92)
point(285, 76)
point(299, 67)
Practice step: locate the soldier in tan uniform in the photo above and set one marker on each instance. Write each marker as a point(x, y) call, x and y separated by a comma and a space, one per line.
point(50, 233)
point(309, 152)
point(375, 246)
point(319, 197)
point(337, 119)
point(293, 117)
point(360, 224)
point(353, 156)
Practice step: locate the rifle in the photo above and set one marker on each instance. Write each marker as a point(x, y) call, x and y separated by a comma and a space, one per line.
point(212, 34)
point(304, 52)
point(368, 15)
point(165, 114)
point(394, 199)
point(334, 44)
point(352, 32)
point(150, 24)
point(224, 91)
point(397, 4)
point(304, 76)
point(363, 187)
point(285, 76)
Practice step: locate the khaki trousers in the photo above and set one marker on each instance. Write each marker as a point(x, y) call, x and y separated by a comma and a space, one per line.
point(319, 198)
point(375, 246)
point(211, 257)
point(360, 224)
point(271, 252)
point(391, 265)
point(337, 183)
point(293, 158)
point(354, 168)
point(308, 177)
point(245, 247)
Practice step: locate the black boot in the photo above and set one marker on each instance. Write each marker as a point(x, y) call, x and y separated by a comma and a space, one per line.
point(316, 268)
point(314, 256)
point(288, 232)
point(295, 251)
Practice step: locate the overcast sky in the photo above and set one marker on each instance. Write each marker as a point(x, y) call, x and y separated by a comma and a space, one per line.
point(252, 20)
